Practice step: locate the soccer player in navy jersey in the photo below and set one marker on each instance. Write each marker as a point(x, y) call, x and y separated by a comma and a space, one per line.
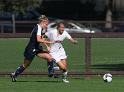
point(34, 48)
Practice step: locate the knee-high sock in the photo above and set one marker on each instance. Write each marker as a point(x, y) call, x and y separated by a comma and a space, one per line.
point(50, 67)
point(19, 70)
point(64, 76)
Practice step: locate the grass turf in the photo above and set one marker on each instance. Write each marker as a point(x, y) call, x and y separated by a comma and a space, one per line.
point(107, 55)
point(44, 84)
point(12, 55)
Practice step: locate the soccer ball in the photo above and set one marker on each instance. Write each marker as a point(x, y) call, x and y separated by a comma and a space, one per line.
point(107, 77)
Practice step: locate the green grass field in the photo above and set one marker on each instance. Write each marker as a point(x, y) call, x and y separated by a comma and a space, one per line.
point(12, 56)
point(107, 55)
point(41, 84)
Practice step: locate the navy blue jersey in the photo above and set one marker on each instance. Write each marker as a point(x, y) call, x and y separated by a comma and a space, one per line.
point(34, 47)
point(33, 44)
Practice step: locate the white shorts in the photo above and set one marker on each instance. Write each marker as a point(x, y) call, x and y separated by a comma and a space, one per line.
point(58, 55)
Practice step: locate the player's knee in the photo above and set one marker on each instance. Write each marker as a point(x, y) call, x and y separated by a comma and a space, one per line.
point(26, 65)
point(63, 68)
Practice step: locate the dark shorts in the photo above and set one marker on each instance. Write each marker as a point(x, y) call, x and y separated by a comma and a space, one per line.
point(29, 54)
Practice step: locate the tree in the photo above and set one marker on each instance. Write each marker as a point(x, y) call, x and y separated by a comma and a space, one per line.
point(18, 7)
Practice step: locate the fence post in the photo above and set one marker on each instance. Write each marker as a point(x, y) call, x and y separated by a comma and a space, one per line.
point(2, 28)
point(13, 23)
point(87, 56)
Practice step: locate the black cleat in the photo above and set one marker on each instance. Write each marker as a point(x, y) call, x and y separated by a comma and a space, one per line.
point(13, 77)
point(56, 76)
point(50, 75)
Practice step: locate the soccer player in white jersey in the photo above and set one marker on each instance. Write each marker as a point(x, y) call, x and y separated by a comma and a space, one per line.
point(56, 49)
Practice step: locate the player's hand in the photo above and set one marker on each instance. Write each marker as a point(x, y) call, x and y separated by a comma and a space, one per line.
point(48, 48)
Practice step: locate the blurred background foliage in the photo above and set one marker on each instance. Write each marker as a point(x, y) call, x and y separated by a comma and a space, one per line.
point(18, 7)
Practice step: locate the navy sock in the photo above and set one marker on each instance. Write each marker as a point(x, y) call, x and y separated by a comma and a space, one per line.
point(19, 70)
point(50, 67)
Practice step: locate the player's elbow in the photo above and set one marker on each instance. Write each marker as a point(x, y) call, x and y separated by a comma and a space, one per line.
point(39, 39)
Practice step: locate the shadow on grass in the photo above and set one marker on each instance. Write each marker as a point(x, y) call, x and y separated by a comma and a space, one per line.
point(41, 81)
point(111, 67)
point(78, 78)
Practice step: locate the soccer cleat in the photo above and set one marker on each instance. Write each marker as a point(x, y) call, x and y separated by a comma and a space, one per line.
point(65, 80)
point(53, 75)
point(56, 76)
point(13, 77)
point(50, 75)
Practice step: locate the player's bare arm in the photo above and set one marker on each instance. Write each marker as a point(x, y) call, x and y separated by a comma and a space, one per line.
point(73, 40)
point(41, 40)
point(44, 37)
point(47, 46)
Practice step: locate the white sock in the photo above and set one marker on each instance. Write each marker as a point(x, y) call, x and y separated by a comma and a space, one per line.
point(65, 74)
point(56, 68)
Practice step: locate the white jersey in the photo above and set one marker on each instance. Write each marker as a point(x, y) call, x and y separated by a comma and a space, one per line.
point(57, 51)
point(52, 35)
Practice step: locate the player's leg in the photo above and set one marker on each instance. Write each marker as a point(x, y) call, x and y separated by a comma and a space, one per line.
point(50, 63)
point(64, 72)
point(50, 66)
point(63, 67)
point(64, 61)
point(20, 69)
point(27, 61)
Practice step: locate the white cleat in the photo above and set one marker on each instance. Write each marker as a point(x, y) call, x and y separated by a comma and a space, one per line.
point(65, 80)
